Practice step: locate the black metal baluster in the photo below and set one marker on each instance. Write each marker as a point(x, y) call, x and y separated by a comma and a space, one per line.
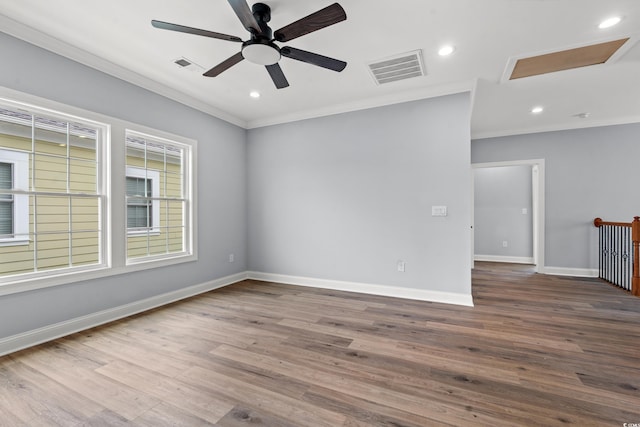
point(609, 254)
point(629, 258)
point(625, 268)
point(605, 232)
point(601, 251)
point(623, 265)
point(616, 261)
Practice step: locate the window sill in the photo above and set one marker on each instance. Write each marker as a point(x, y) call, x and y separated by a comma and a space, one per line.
point(53, 278)
point(14, 242)
point(140, 233)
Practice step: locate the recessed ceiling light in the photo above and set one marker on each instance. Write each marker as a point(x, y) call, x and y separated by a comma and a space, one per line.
point(582, 115)
point(446, 50)
point(610, 22)
point(254, 94)
point(537, 110)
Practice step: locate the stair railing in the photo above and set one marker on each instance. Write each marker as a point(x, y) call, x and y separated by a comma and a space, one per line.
point(619, 253)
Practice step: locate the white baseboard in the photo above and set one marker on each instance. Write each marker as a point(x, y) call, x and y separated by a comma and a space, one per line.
point(575, 272)
point(364, 288)
point(500, 258)
point(51, 332)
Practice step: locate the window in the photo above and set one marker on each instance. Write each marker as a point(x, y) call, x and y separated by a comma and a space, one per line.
point(50, 194)
point(158, 208)
point(143, 207)
point(58, 221)
point(14, 207)
point(6, 200)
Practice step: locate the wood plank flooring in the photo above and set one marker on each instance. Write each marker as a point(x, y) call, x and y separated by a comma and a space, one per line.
point(535, 351)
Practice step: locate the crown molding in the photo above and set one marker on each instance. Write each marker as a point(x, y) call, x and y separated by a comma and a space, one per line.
point(44, 41)
point(584, 124)
point(389, 99)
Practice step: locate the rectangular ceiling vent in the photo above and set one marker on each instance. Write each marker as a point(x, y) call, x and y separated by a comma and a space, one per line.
point(399, 67)
point(188, 64)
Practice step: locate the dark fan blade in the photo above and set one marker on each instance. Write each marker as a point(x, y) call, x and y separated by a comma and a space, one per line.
point(313, 58)
point(196, 31)
point(316, 21)
point(241, 8)
point(224, 65)
point(277, 75)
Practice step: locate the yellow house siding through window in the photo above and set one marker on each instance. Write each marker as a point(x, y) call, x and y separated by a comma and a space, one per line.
point(67, 225)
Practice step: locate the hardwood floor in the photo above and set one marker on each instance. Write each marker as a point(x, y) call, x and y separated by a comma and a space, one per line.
point(534, 351)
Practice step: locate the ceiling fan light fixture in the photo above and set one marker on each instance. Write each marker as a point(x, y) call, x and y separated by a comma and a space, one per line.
point(261, 53)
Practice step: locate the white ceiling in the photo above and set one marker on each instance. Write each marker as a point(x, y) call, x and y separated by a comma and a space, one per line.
point(116, 36)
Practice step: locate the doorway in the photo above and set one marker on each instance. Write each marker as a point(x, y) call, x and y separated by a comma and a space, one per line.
point(533, 209)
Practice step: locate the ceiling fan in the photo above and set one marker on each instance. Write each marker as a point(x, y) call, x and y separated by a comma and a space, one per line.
point(260, 48)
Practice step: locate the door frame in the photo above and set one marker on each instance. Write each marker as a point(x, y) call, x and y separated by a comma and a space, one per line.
point(538, 205)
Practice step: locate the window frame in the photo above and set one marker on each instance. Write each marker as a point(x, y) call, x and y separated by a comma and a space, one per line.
point(189, 153)
point(20, 182)
point(112, 151)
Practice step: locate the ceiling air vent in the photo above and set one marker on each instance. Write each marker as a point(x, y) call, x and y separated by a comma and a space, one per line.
point(399, 67)
point(188, 64)
point(181, 62)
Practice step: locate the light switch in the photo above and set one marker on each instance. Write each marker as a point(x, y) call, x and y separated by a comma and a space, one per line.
point(524, 211)
point(438, 211)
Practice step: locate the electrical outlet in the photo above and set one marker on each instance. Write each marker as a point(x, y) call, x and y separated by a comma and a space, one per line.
point(505, 244)
point(232, 257)
point(401, 265)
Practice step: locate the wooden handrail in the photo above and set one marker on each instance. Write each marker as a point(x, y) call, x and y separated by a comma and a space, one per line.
point(598, 222)
point(635, 237)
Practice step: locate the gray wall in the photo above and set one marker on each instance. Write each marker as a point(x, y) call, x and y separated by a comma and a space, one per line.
point(221, 176)
point(590, 173)
point(345, 197)
point(500, 194)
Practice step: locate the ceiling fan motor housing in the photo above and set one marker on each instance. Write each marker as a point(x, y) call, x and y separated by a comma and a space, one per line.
point(261, 12)
point(260, 49)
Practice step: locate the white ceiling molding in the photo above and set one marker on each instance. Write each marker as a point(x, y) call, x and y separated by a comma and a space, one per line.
point(390, 99)
point(51, 44)
point(580, 124)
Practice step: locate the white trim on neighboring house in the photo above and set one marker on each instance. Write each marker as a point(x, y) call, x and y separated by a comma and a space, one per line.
point(20, 162)
point(154, 176)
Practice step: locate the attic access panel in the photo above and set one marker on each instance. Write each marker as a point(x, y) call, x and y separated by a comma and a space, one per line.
point(566, 59)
